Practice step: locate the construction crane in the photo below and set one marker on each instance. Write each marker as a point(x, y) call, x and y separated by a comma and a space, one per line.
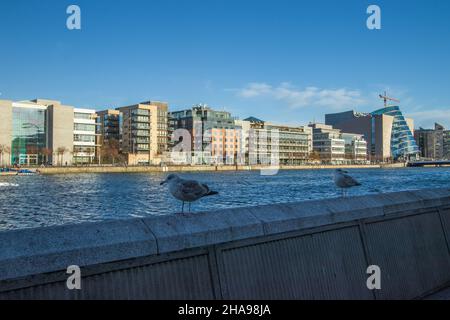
point(386, 98)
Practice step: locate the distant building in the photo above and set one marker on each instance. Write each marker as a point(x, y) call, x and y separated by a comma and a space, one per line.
point(109, 126)
point(292, 145)
point(446, 143)
point(85, 136)
point(45, 131)
point(215, 137)
point(388, 133)
point(355, 148)
point(328, 143)
point(144, 136)
point(433, 143)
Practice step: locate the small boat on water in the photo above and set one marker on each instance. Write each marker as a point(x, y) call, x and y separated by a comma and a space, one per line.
point(26, 172)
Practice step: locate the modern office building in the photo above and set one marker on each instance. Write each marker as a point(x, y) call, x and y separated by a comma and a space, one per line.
point(355, 148)
point(433, 143)
point(37, 132)
point(328, 143)
point(85, 136)
point(144, 136)
point(388, 133)
point(215, 137)
point(291, 145)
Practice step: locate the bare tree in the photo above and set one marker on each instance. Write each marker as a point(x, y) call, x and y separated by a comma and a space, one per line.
point(111, 151)
point(2, 152)
point(61, 151)
point(46, 152)
point(314, 156)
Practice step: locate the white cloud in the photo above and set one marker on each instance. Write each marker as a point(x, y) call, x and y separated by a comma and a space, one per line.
point(427, 118)
point(307, 97)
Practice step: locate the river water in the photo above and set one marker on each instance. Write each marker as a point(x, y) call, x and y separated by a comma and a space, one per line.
point(35, 201)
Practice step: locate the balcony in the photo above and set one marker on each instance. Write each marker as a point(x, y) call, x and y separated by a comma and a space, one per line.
point(140, 133)
point(140, 112)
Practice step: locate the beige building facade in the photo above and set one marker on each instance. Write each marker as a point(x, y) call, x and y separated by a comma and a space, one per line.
point(42, 131)
point(5, 132)
point(144, 136)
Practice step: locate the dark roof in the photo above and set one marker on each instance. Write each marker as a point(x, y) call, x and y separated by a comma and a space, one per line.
point(254, 120)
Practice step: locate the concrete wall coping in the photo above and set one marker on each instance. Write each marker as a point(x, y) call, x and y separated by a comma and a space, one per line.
point(43, 250)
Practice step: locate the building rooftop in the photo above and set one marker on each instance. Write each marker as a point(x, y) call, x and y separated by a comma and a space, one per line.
point(254, 120)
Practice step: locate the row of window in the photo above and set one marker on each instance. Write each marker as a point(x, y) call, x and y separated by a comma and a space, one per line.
point(85, 116)
point(84, 127)
point(83, 138)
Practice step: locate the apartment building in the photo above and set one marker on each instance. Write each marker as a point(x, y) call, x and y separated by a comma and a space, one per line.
point(446, 143)
point(328, 143)
point(144, 135)
point(433, 143)
point(109, 138)
point(215, 137)
point(109, 125)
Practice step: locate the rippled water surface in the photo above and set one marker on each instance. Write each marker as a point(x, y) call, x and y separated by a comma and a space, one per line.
point(33, 201)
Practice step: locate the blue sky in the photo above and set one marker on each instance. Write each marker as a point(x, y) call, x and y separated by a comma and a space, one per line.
point(286, 61)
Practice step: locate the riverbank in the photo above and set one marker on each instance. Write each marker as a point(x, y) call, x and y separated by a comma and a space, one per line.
point(155, 169)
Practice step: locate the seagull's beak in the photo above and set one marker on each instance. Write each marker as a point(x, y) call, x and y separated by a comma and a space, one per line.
point(164, 182)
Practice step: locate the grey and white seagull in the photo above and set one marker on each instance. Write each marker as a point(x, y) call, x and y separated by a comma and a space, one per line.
point(344, 181)
point(187, 190)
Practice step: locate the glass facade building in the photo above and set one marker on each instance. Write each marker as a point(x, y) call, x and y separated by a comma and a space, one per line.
point(403, 144)
point(29, 136)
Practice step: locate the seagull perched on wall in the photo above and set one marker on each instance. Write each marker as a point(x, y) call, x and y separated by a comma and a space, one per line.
point(344, 181)
point(187, 190)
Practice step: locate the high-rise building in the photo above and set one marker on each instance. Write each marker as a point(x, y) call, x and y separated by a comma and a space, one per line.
point(388, 133)
point(144, 132)
point(215, 138)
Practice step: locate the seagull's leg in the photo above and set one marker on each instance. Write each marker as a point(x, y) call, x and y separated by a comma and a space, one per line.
point(182, 208)
point(189, 207)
